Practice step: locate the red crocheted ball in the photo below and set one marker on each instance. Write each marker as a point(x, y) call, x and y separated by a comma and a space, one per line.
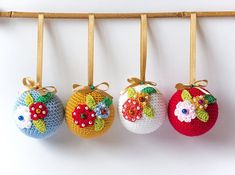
point(192, 112)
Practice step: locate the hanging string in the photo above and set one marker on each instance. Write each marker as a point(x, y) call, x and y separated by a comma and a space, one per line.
point(40, 49)
point(193, 29)
point(199, 84)
point(27, 81)
point(102, 87)
point(143, 46)
point(91, 25)
point(134, 81)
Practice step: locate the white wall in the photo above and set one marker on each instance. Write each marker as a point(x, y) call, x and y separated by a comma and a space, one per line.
point(116, 59)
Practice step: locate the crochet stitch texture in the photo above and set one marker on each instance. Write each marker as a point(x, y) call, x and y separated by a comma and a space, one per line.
point(195, 127)
point(144, 124)
point(88, 131)
point(53, 119)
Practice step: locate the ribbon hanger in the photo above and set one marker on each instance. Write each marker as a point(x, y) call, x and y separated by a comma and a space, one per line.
point(143, 46)
point(40, 49)
point(91, 26)
point(28, 82)
point(199, 84)
point(134, 81)
point(193, 30)
point(90, 87)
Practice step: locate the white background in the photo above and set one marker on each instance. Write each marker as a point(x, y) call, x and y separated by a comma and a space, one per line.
point(116, 59)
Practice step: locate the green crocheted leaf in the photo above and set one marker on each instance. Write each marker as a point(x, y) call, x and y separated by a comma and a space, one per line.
point(202, 115)
point(90, 102)
point(148, 112)
point(131, 92)
point(210, 98)
point(149, 90)
point(40, 125)
point(45, 98)
point(28, 99)
point(107, 101)
point(186, 95)
point(99, 124)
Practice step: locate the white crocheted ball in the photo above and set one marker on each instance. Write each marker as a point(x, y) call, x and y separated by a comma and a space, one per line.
point(142, 109)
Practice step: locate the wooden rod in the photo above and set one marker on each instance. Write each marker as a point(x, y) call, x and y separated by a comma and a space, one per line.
point(13, 14)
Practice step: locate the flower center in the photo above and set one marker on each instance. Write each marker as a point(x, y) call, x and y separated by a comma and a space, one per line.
point(201, 102)
point(103, 111)
point(131, 112)
point(21, 118)
point(184, 111)
point(83, 116)
point(141, 99)
point(38, 111)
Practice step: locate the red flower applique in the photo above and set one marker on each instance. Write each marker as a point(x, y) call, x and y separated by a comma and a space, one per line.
point(132, 110)
point(83, 116)
point(38, 110)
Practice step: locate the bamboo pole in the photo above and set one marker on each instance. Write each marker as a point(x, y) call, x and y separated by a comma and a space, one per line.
point(13, 14)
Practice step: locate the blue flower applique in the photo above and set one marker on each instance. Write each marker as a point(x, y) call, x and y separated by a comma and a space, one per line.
point(101, 110)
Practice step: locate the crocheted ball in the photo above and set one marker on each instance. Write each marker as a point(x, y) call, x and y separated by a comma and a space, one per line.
point(89, 115)
point(142, 109)
point(38, 116)
point(192, 112)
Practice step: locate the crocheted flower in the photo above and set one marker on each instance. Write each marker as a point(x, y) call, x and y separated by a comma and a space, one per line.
point(143, 98)
point(185, 111)
point(101, 110)
point(200, 102)
point(22, 117)
point(83, 116)
point(38, 110)
point(132, 110)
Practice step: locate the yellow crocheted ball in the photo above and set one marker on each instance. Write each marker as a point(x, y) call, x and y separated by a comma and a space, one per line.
point(89, 115)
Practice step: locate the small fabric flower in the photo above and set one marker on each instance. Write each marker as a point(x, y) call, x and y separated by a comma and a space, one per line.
point(38, 110)
point(132, 110)
point(200, 102)
point(83, 116)
point(143, 98)
point(102, 111)
point(185, 111)
point(22, 117)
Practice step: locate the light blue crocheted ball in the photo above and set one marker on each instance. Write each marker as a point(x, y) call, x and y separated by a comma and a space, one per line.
point(52, 109)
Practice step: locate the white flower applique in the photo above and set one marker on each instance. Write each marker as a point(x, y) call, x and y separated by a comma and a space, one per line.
point(185, 111)
point(22, 117)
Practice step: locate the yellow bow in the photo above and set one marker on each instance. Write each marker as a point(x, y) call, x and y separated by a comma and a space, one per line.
point(135, 82)
point(200, 84)
point(31, 84)
point(88, 89)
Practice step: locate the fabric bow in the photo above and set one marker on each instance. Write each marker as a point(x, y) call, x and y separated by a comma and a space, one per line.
point(88, 89)
point(31, 84)
point(199, 84)
point(135, 82)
